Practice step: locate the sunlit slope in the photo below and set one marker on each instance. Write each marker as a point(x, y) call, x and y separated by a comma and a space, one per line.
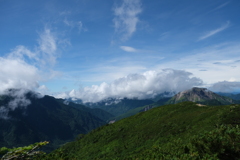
point(137, 136)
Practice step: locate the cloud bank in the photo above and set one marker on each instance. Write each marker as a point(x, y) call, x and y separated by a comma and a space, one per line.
point(146, 85)
point(16, 73)
point(226, 86)
point(126, 19)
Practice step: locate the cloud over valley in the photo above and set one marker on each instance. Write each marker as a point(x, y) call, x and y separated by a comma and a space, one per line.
point(145, 85)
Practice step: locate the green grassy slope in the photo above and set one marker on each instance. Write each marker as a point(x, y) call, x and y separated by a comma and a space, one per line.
point(146, 134)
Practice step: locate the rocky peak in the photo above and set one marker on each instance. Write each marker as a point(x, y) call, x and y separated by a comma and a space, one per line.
point(198, 95)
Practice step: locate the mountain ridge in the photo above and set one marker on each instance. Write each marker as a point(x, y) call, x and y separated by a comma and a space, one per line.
point(201, 95)
point(43, 119)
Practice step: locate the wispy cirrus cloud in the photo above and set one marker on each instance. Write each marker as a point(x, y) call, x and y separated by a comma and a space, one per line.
point(126, 18)
point(213, 32)
point(221, 6)
point(75, 24)
point(220, 62)
point(47, 46)
point(128, 49)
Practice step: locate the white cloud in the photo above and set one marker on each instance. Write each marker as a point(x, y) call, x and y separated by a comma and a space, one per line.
point(225, 86)
point(73, 24)
point(22, 52)
point(213, 32)
point(61, 95)
point(47, 42)
point(221, 6)
point(142, 86)
point(128, 49)
point(18, 99)
point(80, 26)
point(126, 19)
point(23, 69)
point(16, 73)
point(43, 90)
point(232, 79)
point(200, 60)
point(68, 23)
point(47, 47)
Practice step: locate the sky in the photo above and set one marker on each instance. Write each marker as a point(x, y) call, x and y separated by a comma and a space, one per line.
point(91, 49)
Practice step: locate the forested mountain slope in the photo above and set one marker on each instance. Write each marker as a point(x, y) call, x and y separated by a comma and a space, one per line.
point(43, 119)
point(180, 131)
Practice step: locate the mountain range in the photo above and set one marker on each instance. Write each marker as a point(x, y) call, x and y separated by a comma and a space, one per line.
point(235, 96)
point(120, 106)
point(45, 119)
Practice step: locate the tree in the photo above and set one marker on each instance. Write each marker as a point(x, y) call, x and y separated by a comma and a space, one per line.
point(22, 153)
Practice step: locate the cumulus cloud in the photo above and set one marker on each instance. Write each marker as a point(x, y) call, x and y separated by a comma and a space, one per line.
point(16, 73)
point(225, 86)
point(128, 49)
point(23, 69)
point(43, 90)
point(146, 85)
point(126, 17)
point(213, 32)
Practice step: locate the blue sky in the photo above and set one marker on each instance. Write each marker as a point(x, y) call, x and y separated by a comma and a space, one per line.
point(90, 48)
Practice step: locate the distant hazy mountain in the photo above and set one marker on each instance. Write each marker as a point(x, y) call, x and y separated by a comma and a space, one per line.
point(100, 113)
point(201, 95)
point(122, 108)
point(231, 95)
point(161, 101)
point(163, 96)
point(43, 119)
point(119, 106)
